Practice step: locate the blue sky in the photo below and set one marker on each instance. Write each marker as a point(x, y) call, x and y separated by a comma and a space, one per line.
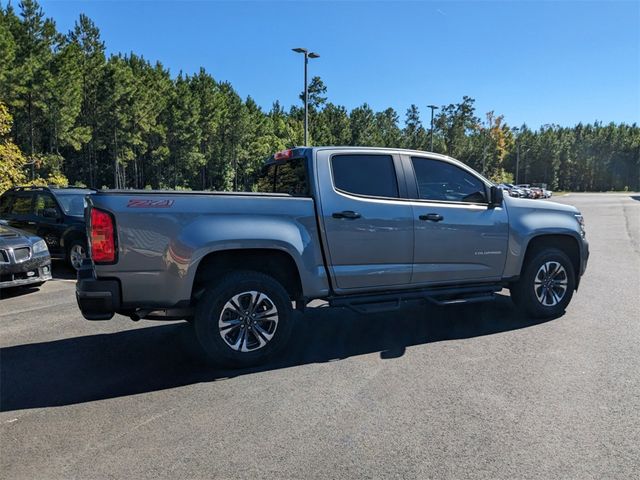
point(534, 62)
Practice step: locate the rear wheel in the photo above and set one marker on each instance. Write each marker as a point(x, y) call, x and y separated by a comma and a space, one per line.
point(546, 285)
point(243, 319)
point(76, 252)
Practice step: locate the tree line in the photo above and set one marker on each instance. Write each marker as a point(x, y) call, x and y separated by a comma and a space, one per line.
point(70, 114)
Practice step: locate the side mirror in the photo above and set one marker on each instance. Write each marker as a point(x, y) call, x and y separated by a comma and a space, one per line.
point(497, 196)
point(50, 213)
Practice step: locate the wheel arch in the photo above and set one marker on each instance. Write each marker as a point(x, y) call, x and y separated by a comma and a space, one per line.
point(563, 242)
point(70, 235)
point(276, 263)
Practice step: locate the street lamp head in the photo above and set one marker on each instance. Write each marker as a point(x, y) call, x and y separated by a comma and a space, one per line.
point(299, 50)
point(433, 107)
point(314, 55)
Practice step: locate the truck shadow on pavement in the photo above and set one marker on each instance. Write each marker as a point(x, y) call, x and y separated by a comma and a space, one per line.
point(96, 367)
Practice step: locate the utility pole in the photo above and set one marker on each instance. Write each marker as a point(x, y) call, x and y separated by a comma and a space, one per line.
point(307, 56)
point(432, 107)
point(517, 161)
point(484, 158)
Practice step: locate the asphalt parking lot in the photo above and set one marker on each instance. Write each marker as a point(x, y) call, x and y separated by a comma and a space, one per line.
point(456, 392)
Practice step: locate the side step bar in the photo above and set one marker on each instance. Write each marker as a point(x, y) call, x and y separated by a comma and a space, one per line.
point(161, 314)
point(390, 301)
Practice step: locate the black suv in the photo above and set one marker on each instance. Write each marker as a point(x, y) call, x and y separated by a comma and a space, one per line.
point(55, 214)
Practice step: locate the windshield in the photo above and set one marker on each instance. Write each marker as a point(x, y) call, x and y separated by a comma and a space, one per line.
point(72, 203)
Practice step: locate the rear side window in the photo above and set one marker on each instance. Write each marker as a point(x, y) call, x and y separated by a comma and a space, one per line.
point(443, 181)
point(371, 175)
point(72, 203)
point(44, 202)
point(21, 205)
point(286, 177)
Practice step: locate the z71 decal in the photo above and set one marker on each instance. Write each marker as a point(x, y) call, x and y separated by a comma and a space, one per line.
point(143, 203)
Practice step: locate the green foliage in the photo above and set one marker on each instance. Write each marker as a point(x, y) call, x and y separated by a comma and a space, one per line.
point(125, 122)
point(415, 136)
point(363, 126)
point(11, 159)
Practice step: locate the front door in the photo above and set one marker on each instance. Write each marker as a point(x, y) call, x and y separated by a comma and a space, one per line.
point(368, 230)
point(458, 237)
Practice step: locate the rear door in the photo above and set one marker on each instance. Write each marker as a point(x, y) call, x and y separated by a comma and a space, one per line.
point(458, 236)
point(48, 228)
point(367, 226)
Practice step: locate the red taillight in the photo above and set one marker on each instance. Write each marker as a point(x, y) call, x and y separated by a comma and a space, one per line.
point(103, 245)
point(283, 155)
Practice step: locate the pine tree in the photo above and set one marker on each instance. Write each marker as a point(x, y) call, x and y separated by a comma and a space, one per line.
point(35, 38)
point(86, 36)
point(363, 126)
point(415, 136)
point(387, 126)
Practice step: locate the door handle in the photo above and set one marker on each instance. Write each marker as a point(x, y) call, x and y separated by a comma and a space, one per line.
point(432, 217)
point(31, 223)
point(346, 214)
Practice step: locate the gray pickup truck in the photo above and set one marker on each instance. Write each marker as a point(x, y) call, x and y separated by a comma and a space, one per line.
point(364, 228)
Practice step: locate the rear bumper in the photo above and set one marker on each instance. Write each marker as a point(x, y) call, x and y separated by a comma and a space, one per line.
point(97, 299)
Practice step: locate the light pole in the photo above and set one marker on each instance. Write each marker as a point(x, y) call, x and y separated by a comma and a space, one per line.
point(432, 107)
point(307, 56)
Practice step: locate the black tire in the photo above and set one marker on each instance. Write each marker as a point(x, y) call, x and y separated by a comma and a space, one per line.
point(70, 249)
point(213, 307)
point(528, 290)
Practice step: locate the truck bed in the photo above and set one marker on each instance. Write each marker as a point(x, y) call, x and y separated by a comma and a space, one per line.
point(162, 236)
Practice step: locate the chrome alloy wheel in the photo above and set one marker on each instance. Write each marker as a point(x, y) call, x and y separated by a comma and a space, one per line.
point(550, 283)
point(76, 255)
point(248, 321)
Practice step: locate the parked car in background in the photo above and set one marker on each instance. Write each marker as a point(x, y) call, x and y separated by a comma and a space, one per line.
point(536, 192)
point(516, 192)
point(512, 190)
point(24, 258)
point(505, 187)
point(55, 214)
point(547, 193)
point(525, 188)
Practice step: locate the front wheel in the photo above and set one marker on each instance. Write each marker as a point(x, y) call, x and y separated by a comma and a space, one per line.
point(243, 319)
point(546, 285)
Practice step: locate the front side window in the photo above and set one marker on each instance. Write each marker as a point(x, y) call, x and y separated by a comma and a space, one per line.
point(21, 205)
point(287, 177)
point(370, 175)
point(442, 181)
